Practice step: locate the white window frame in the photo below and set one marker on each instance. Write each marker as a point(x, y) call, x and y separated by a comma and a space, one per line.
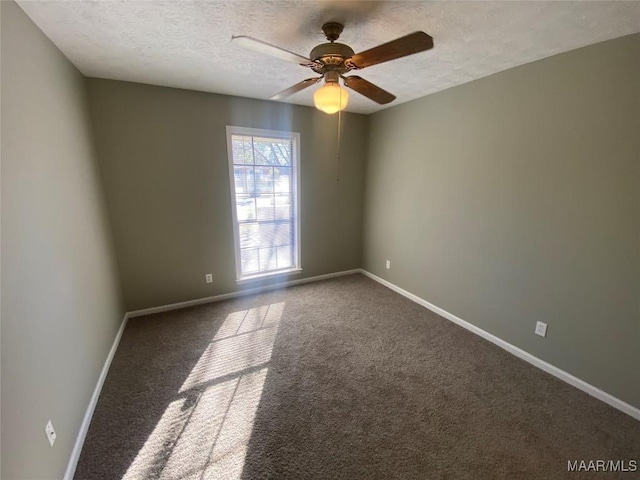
point(295, 139)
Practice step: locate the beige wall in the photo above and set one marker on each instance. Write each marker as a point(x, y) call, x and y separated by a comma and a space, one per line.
point(515, 198)
point(163, 157)
point(61, 304)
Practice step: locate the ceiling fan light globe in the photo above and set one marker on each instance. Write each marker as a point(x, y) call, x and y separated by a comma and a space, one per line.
point(331, 98)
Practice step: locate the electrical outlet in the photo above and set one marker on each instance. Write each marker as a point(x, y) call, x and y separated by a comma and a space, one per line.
point(208, 278)
point(50, 433)
point(388, 264)
point(541, 329)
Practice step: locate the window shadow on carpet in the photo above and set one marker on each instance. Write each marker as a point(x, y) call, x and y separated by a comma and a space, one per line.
point(210, 402)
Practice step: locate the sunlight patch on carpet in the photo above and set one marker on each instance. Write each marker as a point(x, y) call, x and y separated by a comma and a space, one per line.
point(205, 431)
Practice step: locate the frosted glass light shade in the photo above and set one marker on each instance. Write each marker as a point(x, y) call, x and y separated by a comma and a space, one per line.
point(331, 98)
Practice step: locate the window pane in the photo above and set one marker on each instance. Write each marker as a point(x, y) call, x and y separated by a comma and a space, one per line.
point(274, 234)
point(246, 208)
point(283, 210)
point(282, 199)
point(249, 235)
point(271, 151)
point(266, 210)
point(244, 179)
point(242, 149)
point(285, 256)
point(282, 179)
point(249, 261)
point(264, 179)
point(267, 259)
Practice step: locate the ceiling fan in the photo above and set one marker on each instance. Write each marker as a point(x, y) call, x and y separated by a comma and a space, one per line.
point(333, 60)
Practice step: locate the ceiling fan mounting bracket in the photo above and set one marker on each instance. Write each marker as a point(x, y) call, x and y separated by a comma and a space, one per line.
point(332, 30)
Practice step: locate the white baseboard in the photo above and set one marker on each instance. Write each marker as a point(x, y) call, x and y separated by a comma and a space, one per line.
point(547, 367)
point(239, 293)
point(527, 357)
point(84, 427)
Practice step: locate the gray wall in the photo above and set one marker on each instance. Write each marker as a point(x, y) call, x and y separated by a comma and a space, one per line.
point(515, 198)
point(61, 305)
point(507, 200)
point(163, 157)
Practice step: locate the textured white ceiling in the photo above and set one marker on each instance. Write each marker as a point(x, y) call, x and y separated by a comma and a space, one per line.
point(187, 44)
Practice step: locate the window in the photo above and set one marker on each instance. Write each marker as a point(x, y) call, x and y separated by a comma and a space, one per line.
point(263, 167)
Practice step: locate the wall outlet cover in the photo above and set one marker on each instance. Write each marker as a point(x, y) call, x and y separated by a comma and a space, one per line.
point(50, 433)
point(388, 264)
point(208, 278)
point(541, 329)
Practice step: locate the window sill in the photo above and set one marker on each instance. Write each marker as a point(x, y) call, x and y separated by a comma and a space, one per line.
point(264, 276)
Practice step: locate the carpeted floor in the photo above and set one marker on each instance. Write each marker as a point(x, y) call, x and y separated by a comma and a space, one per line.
point(341, 379)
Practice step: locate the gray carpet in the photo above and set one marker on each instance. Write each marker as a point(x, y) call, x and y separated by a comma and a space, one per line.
point(341, 379)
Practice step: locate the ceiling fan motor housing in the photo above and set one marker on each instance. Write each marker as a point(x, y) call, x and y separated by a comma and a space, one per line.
point(331, 57)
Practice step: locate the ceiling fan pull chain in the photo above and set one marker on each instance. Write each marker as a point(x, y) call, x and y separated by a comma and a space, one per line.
point(339, 142)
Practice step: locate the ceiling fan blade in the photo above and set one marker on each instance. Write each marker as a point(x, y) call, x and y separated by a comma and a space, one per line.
point(401, 47)
point(296, 88)
point(268, 49)
point(368, 89)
